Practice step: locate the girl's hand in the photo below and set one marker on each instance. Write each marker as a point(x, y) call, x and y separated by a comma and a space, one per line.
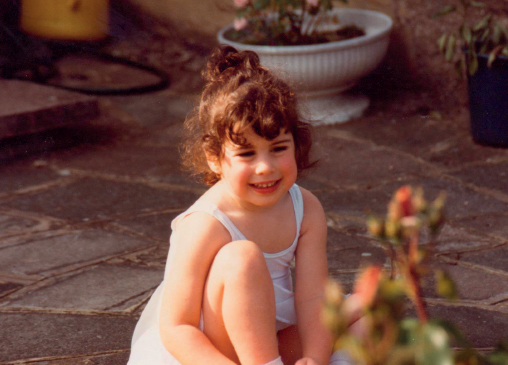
point(306, 361)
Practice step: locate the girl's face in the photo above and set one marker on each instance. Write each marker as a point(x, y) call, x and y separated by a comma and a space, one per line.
point(259, 173)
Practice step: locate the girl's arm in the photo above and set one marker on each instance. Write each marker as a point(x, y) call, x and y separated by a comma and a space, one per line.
point(311, 274)
point(199, 238)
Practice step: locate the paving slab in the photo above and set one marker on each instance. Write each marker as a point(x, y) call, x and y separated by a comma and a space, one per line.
point(461, 239)
point(461, 150)
point(7, 287)
point(494, 259)
point(28, 108)
point(443, 141)
point(35, 335)
point(49, 254)
point(92, 289)
point(346, 279)
point(12, 225)
point(156, 109)
point(119, 358)
point(493, 224)
point(153, 163)
point(23, 175)
point(153, 225)
point(483, 328)
point(354, 203)
point(470, 283)
point(153, 257)
point(104, 199)
point(490, 176)
point(377, 163)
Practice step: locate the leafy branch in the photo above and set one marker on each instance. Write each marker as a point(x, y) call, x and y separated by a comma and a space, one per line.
point(485, 36)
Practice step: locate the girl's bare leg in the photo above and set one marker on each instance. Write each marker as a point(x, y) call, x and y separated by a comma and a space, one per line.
point(239, 305)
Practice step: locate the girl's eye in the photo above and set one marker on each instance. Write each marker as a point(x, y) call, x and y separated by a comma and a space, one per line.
point(280, 148)
point(246, 154)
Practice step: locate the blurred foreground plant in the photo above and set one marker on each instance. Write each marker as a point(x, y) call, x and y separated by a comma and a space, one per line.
point(370, 324)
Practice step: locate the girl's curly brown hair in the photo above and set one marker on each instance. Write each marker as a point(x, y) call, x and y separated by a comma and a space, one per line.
point(240, 93)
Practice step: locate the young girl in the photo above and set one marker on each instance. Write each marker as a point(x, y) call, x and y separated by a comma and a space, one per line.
point(227, 295)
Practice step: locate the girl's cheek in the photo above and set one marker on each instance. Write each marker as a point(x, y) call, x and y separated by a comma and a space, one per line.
point(289, 162)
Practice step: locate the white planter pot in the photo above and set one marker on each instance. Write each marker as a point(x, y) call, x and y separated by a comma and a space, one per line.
point(320, 73)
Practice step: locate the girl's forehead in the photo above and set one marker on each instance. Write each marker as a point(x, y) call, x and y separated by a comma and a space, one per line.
point(249, 136)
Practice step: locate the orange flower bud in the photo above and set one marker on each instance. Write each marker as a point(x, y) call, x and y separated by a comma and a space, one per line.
point(367, 284)
point(403, 198)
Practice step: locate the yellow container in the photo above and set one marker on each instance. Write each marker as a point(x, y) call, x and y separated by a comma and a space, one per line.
point(79, 20)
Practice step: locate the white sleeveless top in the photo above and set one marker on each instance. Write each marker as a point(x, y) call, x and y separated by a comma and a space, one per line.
point(142, 350)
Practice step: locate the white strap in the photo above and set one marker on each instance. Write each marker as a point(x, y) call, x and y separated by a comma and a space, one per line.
point(277, 361)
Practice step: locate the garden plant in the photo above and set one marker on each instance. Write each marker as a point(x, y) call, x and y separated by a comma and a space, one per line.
point(378, 330)
point(288, 22)
point(479, 32)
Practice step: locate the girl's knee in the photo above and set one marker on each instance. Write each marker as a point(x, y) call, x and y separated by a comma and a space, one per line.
point(239, 257)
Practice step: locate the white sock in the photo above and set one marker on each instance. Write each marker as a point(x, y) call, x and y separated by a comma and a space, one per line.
point(340, 357)
point(276, 361)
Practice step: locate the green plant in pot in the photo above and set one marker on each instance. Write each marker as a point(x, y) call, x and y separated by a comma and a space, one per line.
point(483, 40)
point(311, 43)
point(288, 22)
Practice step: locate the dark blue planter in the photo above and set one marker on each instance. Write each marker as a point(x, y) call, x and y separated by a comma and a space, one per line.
point(488, 102)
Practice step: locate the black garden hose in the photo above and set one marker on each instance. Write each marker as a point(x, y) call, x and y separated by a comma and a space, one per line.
point(164, 79)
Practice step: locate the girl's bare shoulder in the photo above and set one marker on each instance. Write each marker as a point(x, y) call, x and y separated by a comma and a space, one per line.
point(310, 201)
point(200, 231)
point(313, 212)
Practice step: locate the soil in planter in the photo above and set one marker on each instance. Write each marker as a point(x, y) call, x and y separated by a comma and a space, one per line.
point(267, 38)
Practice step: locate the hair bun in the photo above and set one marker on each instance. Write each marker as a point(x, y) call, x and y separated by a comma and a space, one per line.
point(226, 61)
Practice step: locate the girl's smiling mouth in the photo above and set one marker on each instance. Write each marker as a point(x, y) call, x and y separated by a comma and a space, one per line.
point(271, 185)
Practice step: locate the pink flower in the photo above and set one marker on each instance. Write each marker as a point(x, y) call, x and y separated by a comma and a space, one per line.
point(240, 4)
point(312, 3)
point(240, 23)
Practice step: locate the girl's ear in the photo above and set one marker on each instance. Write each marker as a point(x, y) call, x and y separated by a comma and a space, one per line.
point(213, 164)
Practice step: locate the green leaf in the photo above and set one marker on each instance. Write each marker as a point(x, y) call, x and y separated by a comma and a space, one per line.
point(482, 24)
point(441, 42)
point(446, 10)
point(445, 286)
point(401, 355)
point(460, 66)
point(477, 4)
point(498, 358)
point(450, 47)
point(453, 331)
point(493, 55)
point(409, 334)
point(498, 33)
point(503, 29)
point(435, 346)
point(472, 65)
point(485, 35)
point(466, 33)
point(483, 48)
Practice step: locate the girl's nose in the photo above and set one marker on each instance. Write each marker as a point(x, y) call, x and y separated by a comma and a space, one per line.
point(264, 166)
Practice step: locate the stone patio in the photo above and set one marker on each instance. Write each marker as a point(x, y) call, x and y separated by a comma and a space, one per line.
point(84, 221)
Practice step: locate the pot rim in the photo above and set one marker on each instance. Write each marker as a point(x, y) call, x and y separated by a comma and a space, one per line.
point(486, 55)
point(311, 48)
